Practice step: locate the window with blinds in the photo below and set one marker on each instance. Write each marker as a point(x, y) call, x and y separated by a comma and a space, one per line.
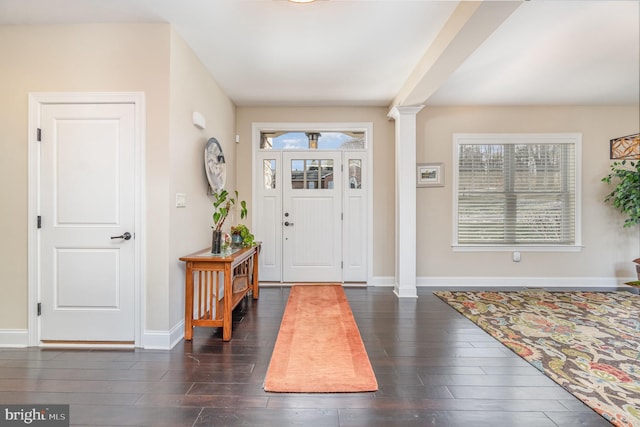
point(516, 190)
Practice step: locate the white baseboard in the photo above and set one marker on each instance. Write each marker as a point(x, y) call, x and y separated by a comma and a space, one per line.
point(529, 282)
point(14, 338)
point(382, 281)
point(85, 346)
point(156, 340)
point(163, 340)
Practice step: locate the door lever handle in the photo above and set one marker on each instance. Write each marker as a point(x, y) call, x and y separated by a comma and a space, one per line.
point(125, 236)
point(287, 224)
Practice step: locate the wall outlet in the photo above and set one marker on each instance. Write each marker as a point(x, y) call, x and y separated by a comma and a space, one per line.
point(516, 257)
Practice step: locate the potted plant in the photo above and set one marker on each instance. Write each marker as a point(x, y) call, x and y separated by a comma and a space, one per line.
point(625, 197)
point(222, 205)
point(241, 235)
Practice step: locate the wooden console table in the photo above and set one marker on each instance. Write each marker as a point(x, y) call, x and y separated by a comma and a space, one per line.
point(210, 300)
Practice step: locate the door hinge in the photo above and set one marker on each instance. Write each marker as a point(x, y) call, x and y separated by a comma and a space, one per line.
point(39, 135)
point(342, 216)
point(342, 264)
point(39, 309)
point(39, 221)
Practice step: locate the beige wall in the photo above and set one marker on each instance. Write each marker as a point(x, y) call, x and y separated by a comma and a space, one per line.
point(92, 58)
point(383, 163)
point(193, 89)
point(148, 58)
point(608, 248)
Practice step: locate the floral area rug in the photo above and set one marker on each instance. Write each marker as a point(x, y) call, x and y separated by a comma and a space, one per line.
point(587, 342)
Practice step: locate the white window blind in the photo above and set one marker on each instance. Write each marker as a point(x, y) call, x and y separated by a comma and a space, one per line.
point(516, 190)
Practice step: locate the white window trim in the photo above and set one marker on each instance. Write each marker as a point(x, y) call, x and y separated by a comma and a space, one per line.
point(514, 138)
point(366, 127)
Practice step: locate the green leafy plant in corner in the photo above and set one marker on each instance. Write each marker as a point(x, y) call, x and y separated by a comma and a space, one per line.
point(222, 205)
point(243, 231)
point(625, 197)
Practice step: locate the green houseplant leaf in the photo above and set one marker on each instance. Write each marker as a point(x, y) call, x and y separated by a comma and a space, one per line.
point(625, 196)
point(244, 232)
point(222, 204)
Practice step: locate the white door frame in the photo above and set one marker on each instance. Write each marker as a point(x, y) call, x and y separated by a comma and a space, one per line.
point(36, 100)
point(257, 178)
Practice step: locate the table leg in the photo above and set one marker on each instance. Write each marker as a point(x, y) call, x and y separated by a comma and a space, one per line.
point(228, 300)
point(254, 276)
point(188, 303)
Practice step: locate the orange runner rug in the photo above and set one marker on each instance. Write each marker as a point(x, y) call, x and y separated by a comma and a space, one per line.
point(319, 348)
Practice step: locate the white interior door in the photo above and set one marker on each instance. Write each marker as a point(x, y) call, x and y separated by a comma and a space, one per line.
point(311, 216)
point(86, 203)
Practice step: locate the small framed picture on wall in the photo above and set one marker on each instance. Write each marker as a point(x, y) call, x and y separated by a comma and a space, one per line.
point(430, 175)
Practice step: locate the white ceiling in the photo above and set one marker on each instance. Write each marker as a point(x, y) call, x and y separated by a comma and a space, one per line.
point(365, 52)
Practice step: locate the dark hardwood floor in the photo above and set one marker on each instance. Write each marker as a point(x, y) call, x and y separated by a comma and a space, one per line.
point(434, 368)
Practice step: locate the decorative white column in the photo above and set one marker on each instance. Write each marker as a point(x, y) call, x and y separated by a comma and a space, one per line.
point(405, 250)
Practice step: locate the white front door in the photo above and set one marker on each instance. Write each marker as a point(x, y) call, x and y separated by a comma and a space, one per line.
point(311, 216)
point(86, 197)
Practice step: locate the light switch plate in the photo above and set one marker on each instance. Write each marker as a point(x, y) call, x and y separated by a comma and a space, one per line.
point(181, 200)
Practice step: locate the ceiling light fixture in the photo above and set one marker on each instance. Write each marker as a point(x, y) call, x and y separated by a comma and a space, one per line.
point(301, 1)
